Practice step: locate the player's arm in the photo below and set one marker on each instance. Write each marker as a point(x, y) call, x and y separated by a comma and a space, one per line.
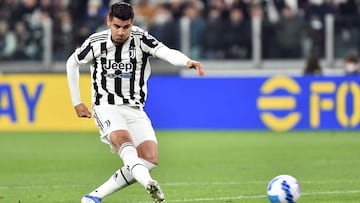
point(73, 75)
point(177, 58)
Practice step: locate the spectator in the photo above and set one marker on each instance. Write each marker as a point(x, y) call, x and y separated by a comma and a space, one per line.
point(243, 6)
point(88, 16)
point(221, 6)
point(237, 36)
point(267, 29)
point(92, 21)
point(7, 41)
point(213, 47)
point(164, 28)
point(28, 29)
point(144, 12)
point(23, 39)
point(312, 66)
point(288, 32)
point(8, 10)
point(348, 8)
point(197, 26)
point(177, 9)
point(48, 7)
point(352, 65)
point(314, 15)
point(63, 33)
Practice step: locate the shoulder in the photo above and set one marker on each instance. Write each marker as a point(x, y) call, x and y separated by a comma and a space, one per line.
point(92, 44)
point(99, 36)
point(137, 31)
point(142, 34)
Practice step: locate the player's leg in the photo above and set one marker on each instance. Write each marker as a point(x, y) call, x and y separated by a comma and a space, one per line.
point(147, 153)
point(108, 119)
point(134, 168)
point(148, 150)
point(119, 180)
point(143, 135)
point(122, 177)
point(122, 142)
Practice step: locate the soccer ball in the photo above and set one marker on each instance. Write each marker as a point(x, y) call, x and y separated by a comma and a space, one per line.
point(283, 189)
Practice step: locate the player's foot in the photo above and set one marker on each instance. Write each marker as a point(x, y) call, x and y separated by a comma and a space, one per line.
point(153, 188)
point(90, 199)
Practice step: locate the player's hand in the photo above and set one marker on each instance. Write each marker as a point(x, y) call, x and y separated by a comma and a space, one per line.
point(82, 111)
point(196, 65)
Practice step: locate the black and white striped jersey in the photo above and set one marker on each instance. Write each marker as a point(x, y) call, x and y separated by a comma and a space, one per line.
point(119, 73)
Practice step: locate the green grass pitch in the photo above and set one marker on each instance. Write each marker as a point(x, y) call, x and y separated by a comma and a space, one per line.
point(194, 167)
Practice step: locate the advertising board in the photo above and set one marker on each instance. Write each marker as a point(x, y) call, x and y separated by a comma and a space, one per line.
point(41, 102)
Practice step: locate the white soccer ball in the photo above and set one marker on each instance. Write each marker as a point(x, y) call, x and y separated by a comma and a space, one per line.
point(283, 189)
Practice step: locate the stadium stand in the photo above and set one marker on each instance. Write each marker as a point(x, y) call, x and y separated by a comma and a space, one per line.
point(38, 35)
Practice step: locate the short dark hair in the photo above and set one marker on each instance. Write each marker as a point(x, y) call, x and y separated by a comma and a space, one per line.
point(351, 59)
point(121, 10)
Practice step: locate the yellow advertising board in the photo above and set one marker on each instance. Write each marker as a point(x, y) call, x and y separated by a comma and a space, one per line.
point(41, 102)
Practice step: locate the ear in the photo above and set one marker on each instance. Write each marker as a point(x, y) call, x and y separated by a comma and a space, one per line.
point(108, 21)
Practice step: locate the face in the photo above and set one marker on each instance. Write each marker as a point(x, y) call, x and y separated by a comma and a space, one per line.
point(120, 29)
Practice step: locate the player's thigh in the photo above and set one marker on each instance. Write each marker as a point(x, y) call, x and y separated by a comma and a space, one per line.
point(140, 127)
point(109, 118)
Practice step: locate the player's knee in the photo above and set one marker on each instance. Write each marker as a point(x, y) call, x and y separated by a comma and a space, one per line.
point(153, 161)
point(148, 151)
point(149, 164)
point(119, 137)
point(149, 158)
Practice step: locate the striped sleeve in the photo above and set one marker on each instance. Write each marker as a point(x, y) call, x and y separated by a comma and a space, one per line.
point(84, 53)
point(149, 44)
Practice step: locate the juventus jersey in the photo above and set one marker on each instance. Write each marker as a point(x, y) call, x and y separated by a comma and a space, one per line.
point(119, 73)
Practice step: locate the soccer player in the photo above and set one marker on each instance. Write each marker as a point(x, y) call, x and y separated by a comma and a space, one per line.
point(120, 68)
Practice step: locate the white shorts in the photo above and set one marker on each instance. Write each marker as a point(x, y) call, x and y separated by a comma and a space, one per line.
point(109, 118)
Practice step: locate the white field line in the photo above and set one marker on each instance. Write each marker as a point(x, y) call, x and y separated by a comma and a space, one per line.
point(200, 199)
point(170, 184)
point(256, 182)
point(240, 197)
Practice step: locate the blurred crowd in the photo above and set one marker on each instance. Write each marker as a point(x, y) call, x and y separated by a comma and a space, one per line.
point(217, 29)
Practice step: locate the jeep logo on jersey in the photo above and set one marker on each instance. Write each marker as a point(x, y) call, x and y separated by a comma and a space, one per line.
point(118, 75)
point(125, 67)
